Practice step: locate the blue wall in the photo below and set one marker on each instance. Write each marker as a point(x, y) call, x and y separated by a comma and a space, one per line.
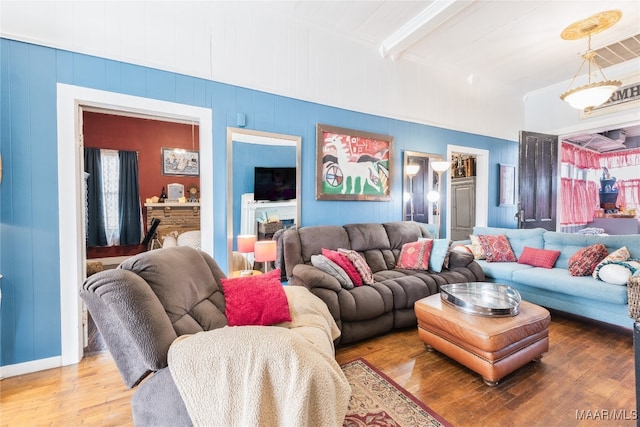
point(30, 313)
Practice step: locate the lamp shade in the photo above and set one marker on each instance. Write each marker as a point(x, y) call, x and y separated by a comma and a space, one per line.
point(440, 166)
point(412, 170)
point(246, 243)
point(265, 250)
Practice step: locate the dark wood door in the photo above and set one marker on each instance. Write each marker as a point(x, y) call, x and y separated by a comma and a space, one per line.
point(420, 190)
point(537, 180)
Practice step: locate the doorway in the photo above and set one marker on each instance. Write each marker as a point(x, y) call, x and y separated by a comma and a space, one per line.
point(71, 101)
point(481, 183)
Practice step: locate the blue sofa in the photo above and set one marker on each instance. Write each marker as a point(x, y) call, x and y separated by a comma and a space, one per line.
point(555, 288)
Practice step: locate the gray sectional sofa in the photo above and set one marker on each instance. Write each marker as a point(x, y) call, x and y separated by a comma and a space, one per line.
point(555, 288)
point(370, 310)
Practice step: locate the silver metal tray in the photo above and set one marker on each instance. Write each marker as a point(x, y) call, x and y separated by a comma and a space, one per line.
point(482, 298)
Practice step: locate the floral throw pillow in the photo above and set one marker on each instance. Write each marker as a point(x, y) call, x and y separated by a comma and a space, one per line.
point(583, 262)
point(476, 248)
point(497, 248)
point(360, 264)
point(415, 255)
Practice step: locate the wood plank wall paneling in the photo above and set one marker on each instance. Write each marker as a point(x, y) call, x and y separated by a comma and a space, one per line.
point(29, 242)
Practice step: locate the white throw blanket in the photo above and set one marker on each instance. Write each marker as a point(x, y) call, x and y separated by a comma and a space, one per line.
point(284, 375)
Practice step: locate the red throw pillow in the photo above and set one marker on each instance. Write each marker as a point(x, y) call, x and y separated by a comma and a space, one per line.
point(497, 248)
point(345, 264)
point(415, 255)
point(583, 262)
point(255, 300)
point(535, 257)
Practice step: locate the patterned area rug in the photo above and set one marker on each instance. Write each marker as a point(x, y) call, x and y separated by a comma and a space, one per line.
point(376, 400)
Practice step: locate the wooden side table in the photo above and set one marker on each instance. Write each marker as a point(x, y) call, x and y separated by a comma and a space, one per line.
point(238, 273)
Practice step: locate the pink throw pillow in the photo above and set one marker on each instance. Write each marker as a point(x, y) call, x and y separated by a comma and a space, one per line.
point(255, 300)
point(345, 264)
point(415, 255)
point(497, 248)
point(535, 257)
point(583, 262)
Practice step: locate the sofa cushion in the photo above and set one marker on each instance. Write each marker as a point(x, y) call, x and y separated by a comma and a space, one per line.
point(316, 237)
point(364, 237)
point(333, 269)
point(518, 238)
point(256, 300)
point(415, 255)
point(345, 264)
point(360, 264)
point(559, 280)
point(501, 270)
point(496, 248)
point(583, 262)
point(199, 305)
point(535, 257)
point(568, 244)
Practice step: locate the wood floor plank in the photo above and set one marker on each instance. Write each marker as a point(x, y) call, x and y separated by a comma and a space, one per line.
point(588, 370)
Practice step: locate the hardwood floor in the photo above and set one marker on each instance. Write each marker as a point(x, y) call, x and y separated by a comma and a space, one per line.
point(589, 370)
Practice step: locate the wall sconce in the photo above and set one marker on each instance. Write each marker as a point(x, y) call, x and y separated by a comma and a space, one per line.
point(411, 172)
point(265, 251)
point(440, 167)
point(246, 242)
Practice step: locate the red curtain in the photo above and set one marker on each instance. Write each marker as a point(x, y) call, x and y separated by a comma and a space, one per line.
point(620, 159)
point(579, 201)
point(579, 157)
point(629, 194)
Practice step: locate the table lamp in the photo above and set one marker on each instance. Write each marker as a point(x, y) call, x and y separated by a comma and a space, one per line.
point(265, 251)
point(246, 242)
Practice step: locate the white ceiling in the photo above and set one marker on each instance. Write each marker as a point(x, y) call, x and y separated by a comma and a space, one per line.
point(515, 42)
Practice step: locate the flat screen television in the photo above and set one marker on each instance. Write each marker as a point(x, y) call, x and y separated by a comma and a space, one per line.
point(274, 183)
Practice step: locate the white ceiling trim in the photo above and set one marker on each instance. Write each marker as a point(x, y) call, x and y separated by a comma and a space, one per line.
point(436, 14)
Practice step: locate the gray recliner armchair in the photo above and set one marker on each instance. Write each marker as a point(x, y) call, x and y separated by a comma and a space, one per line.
point(141, 307)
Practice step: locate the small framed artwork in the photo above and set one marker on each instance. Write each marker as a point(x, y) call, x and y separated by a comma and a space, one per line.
point(507, 182)
point(352, 165)
point(180, 162)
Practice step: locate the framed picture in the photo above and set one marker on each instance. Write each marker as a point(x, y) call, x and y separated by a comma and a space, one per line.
point(180, 162)
point(352, 165)
point(507, 185)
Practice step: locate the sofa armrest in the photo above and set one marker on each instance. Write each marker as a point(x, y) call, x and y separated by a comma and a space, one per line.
point(459, 259)
point(311, 277)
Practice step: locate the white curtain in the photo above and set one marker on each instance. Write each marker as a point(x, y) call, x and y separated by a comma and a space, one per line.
point(110, 184)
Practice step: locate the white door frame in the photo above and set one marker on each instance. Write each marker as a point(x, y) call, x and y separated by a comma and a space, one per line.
point(482, 184)
point(70, 101)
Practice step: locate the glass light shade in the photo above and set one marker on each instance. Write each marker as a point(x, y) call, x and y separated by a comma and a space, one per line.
point(591, 95)
point(265, 250)
point(246, 243)
point(440, 166)
point(412, 170)
point(433, 196)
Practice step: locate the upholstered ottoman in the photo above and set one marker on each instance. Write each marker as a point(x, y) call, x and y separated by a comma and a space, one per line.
point(491, 346)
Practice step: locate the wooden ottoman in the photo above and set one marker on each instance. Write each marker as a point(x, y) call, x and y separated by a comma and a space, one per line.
point(491, 346)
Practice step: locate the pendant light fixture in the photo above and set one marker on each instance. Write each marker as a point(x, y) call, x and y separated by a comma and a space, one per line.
point(594, 93)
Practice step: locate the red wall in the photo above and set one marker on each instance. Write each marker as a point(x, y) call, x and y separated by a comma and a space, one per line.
point(147, 137)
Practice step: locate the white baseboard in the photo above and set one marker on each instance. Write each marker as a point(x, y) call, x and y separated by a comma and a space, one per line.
point(8, 371)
